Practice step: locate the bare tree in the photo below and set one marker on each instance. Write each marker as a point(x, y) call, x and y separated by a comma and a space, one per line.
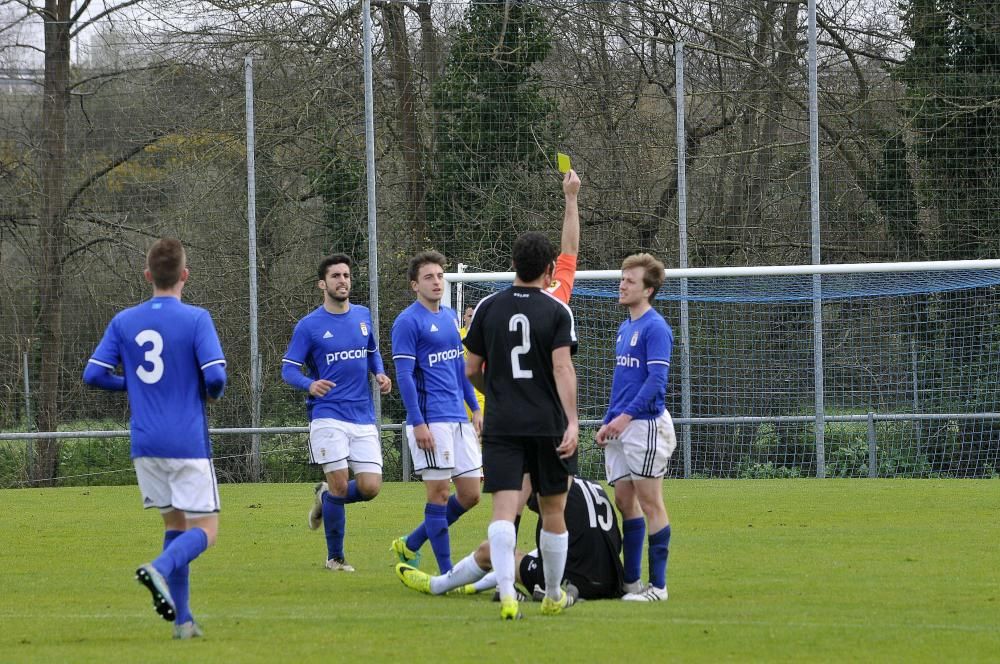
point(63, 21)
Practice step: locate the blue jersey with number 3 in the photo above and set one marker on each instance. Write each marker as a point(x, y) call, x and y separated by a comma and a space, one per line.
point(164, 345)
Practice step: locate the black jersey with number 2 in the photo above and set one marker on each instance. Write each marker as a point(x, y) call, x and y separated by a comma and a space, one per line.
point(516, 330)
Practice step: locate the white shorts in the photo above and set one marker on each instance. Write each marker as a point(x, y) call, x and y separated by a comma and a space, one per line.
point(456, 452)
point(335, 444)
point(187, 485)
point(642, 451)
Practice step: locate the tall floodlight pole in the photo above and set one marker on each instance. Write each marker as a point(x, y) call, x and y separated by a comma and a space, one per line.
point(816, 258)
point(255, 384)
point(682, 250)
point(366, 10)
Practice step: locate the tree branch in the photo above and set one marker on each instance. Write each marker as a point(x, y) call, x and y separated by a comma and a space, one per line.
point(121, 72)
point(97, 175)
point(83, 247)
point(94, 19)
point(79, 12)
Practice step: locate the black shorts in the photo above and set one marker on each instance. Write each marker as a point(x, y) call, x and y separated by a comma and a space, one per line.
point(506, 459)
point(606, 586)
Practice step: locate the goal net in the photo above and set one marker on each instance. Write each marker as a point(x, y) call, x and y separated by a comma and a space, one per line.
point(909, 362)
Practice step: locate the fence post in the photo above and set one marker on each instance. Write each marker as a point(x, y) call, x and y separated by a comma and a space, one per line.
point(682, 257)
point(373, 304)
point(29, 418)
point(404, 453)
point(815, 240)
point(872, 450)
point(255, 383)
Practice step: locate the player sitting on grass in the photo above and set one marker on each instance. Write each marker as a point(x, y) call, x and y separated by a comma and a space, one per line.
point(593, 561)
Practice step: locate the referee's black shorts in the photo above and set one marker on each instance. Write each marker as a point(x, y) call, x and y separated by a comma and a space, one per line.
point(507, 458)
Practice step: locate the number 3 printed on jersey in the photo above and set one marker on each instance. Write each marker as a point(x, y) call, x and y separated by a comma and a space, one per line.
point(153, 356)
point(520, 321)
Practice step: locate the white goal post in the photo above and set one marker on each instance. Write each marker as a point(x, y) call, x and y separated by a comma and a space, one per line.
point(903, 360)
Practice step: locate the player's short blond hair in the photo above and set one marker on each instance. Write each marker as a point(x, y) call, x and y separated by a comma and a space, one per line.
point(652, 271)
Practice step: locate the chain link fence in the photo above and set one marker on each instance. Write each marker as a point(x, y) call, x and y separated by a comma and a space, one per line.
point(138, 130)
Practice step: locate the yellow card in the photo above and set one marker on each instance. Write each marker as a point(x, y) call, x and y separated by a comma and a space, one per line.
point(564, 163)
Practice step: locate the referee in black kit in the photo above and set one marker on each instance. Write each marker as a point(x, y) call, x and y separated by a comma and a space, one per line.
point(524, 339)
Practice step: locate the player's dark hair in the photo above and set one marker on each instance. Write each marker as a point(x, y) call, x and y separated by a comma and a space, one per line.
point(166, 260)
point(422, 259)
point(533, 252)
point(652, 271)
point(334, 259)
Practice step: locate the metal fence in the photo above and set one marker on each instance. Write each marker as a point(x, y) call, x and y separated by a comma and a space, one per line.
point(712, 135)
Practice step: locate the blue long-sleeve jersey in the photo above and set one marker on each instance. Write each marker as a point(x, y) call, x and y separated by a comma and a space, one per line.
point(430, 366)
point(342, 349)
point(642, 362)
point(172, 361)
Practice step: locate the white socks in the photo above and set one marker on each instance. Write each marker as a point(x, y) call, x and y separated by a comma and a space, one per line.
point(502, 540)
point(553, 548)
point(464, 572)
point(485, 583)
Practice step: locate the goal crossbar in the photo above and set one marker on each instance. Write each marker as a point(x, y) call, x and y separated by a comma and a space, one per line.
point(758, 271)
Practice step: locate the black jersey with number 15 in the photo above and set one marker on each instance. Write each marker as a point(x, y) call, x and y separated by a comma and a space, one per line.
point(516, 330)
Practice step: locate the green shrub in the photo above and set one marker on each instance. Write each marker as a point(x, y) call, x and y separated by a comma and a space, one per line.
point(284, 458)
point(766, 438)
point(748, 469)
point(102, 461)
point(13, 463)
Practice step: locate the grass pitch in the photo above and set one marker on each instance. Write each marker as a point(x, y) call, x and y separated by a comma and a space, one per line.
point(877, 570)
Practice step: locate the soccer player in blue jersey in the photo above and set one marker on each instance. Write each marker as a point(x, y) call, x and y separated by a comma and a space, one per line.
point(444, 445)
point(336, 346)
point(638, 433)
point(172, 364)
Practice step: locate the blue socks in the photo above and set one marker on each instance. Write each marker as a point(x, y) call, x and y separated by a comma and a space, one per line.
point(416, 539)
point(659, 547)
point(184, 548)
point(178, 582)
point(353, 495)
point(334, 522)
point(436, 526)
point(335, 518)
point(633, 534)
point(455, 509)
